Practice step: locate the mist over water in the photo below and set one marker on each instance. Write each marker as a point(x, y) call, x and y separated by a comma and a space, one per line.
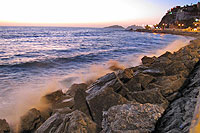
point(36, 60)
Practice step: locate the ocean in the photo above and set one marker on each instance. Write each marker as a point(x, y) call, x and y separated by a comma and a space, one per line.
point(38, 58)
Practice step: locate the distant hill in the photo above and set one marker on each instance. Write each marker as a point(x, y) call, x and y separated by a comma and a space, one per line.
point(134, 27)
point(115, 27)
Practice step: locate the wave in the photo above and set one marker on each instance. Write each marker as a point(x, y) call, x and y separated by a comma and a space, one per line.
point(82, 58)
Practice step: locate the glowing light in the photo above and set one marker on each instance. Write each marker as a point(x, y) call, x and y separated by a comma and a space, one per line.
point(76, 11)
point(179, 24)
point(182, 24)
point(195, 29)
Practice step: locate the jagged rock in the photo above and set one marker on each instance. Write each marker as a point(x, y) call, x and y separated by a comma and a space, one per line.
point(148, 60)
point(64, 103)
point(150, 96)
point(139, 82)
point(64, 110)
point(53, 97)
point(72, 90)
point(178, 116)
point(4, 127)
point(101, 100)
point(133, 118)
point(103, 81)
point(125, 75)
point(80, 102)
point(75, 122)
point(31, 120)
point(175, 68)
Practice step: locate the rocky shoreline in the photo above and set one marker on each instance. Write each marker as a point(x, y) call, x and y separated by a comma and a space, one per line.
point(159, 95)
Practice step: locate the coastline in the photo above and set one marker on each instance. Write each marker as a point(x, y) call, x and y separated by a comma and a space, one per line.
point(128, 86)
point(191, 34)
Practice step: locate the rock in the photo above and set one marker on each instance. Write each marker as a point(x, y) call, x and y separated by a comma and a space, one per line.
point(64, 103)
point(101, 100)
point(150, 96)
point(64, 110)
point(179, 114)
point(133, 118)
point(125, 75)
point(154, 72)
point(103, 81)
point(148, 60)
point(31, 120)
point(80, 102)
point(139, 82)
point(75, 122)
point(175, 68)
point(72, 90)
point(53, 97)
point(4, 127)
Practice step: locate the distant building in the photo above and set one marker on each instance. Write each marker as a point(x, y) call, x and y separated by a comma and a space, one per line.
point(198, 6)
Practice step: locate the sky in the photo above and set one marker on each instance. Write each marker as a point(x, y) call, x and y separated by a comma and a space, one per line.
point(89, 13)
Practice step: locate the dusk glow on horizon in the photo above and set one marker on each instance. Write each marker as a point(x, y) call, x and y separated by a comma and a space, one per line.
point(85, 12)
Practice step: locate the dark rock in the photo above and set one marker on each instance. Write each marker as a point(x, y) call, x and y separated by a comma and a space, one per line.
point(150, 96)
point(80, 102)
point(53, 97)
point(4, 127)
point(148, 60)
point(101, 100)
point(125, 75)
point(175, 68)
point(139, 82)
point(31, 120)
point(64, 103)
point(133, 117)
point(75, 122)
point(72, 90)
point(179, 114)
point(103, 81)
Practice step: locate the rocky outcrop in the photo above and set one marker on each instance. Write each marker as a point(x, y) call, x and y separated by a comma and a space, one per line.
point(4, 127)
point(133, 117)
point(179, 114)
point(75, 122)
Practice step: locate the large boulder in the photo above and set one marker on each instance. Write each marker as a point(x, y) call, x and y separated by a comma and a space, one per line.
point(53, 97)
point(30, 121)
point(4, 127)
point(150, 96)
point(72, 90)
point(101, 100)
point(80, 102)
point(133, 118)
point(75, 122)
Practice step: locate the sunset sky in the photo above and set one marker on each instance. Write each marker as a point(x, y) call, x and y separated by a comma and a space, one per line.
point(85, 12)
